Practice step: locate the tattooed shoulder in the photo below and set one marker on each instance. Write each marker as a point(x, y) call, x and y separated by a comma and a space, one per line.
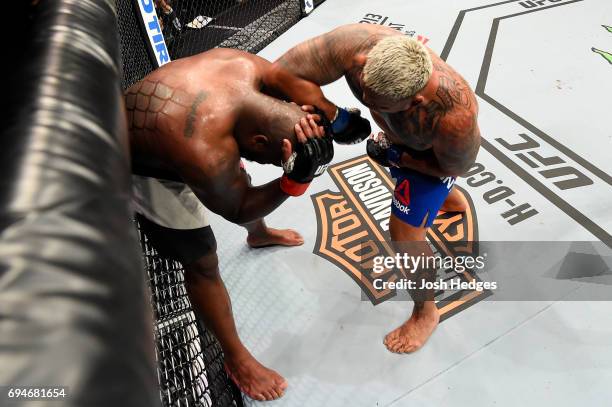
point(453, 91)
point(192, 115)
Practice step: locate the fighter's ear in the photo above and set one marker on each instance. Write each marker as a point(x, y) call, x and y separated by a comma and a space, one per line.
point(359, 60)
point(260, 140)
point(417, 100)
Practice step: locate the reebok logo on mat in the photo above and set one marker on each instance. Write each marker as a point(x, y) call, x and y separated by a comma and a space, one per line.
point(353, 229)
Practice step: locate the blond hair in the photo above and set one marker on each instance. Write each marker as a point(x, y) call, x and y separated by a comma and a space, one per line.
point(397, 67)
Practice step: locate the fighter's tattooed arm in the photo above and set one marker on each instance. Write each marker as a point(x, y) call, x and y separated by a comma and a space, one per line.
point(325, 59)
point(447, 123)
point(458, 139)
point(313, 60)
point(298, 74)
point(456, 151)
point(453, 90)
point(282, 84)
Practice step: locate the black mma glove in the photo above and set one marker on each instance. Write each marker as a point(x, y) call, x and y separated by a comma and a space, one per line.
point(349, 127)
point(382, 151)
point(308, 160)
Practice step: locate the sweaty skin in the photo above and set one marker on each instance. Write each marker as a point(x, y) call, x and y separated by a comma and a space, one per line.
point(192, 120)
point(438, 125)
point(197, 116)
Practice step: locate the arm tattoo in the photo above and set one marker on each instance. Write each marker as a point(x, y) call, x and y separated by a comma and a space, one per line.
point(324, 59)
point(456, 138)
point(452, 92)
point(306, 60)
point(452, 95)
point(191, 117)
point(419, 124)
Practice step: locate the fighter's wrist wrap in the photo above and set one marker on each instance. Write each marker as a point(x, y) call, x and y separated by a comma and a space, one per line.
point(394, 155)
point(341, 120)
point(291, 187)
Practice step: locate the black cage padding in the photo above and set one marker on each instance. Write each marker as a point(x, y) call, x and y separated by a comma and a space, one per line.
point(74, 310)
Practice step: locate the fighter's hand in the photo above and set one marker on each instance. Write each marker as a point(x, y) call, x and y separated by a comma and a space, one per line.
point(310, 109)
point(287, 150)
point(308, 128)
point(316, 116)
point(381, 150)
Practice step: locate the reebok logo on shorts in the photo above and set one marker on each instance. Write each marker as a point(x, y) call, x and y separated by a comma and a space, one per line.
point(402, 192)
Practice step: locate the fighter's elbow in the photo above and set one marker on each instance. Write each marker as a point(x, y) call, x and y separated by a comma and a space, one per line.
point(240, 217)
point(230, 214)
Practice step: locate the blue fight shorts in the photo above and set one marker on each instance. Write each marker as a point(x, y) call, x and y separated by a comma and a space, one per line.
point(418, 197)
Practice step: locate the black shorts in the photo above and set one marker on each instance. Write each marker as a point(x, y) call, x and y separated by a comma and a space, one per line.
point(183, 245)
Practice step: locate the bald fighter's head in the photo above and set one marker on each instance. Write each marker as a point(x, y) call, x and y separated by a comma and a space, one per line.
point(268, 123)
point(395, 70)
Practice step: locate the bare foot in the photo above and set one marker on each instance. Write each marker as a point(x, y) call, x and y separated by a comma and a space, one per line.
point(413, 334)
point(273, 237)
point(255, 380)
point(455, 202)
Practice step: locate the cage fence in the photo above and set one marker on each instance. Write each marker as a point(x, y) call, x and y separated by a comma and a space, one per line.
point(192, 26)
point(189, 358)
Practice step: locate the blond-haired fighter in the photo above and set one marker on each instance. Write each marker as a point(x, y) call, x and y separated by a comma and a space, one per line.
point(191, 121)
point(428, 115)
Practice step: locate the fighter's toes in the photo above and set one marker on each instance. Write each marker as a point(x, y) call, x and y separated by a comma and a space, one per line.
point(391, 337)
point(393, 345)
point(281, 383)
point(293, 237)
point(275, 237)
point(255, 380)
point(410, 346)
point(269, 395)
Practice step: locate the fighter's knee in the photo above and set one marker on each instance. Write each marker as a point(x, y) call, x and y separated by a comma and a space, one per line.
point(452, 206)
point(206, 266)
point(455, 202)
point(402, 231)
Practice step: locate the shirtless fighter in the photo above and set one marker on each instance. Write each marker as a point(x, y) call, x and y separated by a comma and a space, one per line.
point(190, 121)
point(428, 115)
